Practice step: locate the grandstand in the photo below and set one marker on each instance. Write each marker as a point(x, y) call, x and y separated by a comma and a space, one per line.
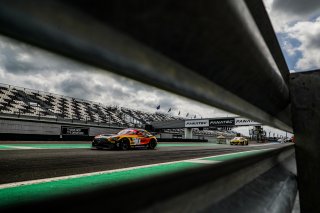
point(27, 103)
point(37, 104)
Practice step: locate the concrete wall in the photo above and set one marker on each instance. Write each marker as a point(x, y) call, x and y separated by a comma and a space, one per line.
point(45, 128)
point(167, 135)
point(170, 135)
point(27, 127)
point(96, 131)
point(24, 127)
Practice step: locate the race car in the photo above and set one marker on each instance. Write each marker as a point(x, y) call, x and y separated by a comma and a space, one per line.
point(125, 139)
point(239, 141)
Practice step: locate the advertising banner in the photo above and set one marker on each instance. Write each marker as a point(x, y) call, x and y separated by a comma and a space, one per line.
point(222, 122)
point(71, 130)
point(245, 122)
point(196, 123)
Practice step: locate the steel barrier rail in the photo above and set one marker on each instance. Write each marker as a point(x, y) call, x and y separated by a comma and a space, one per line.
point(217, 52)
point(210, 51)
point(260, 17)
point(267, 185)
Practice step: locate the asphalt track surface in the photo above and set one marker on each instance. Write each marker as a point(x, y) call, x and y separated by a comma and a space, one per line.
point(31, 162)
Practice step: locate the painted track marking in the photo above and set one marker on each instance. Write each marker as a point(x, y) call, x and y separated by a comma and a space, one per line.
point(202, 161)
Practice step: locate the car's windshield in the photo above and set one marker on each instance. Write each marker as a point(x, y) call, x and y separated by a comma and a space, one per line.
point(126, 132)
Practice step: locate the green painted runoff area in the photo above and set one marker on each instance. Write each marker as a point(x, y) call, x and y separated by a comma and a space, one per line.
point(44, 146)
point(84, 146)
point(26, 193)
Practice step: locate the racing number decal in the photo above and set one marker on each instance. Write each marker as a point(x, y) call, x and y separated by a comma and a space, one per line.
point(136, 140)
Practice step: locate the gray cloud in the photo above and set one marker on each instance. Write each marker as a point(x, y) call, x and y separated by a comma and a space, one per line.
point(313, 42)
point(296, 7)
point(19, 58)
point(12, 61)
point(308, 45)
point(117, 93)
point(74, 88)
point(132, 85)
point(167, 103)
point(297, 24)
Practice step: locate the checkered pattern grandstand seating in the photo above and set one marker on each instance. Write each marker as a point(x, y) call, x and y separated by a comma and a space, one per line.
point(26, 102)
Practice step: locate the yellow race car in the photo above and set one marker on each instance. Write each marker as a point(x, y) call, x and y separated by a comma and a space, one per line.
point(239, 141)
point(125, 139)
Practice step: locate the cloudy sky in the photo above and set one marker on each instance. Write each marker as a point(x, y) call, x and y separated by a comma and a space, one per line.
point(30, 67)
point(297, 26)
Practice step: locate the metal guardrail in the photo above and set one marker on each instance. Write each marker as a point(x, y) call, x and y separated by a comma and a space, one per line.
point(221, 53)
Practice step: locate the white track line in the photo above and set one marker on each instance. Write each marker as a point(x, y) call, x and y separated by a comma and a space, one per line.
point(267, 144)
point(202, 161)
point(46, 180)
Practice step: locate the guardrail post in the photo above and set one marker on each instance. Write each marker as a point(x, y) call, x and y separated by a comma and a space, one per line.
point(305, 94)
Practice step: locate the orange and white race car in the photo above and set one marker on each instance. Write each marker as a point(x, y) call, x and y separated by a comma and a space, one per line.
point(125, 139)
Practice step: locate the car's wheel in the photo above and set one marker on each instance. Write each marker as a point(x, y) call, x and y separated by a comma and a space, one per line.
point(152, 144)
point(125, 144)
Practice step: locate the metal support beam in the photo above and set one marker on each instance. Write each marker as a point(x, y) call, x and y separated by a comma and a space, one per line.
point(305, 93)
point(260, 16)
